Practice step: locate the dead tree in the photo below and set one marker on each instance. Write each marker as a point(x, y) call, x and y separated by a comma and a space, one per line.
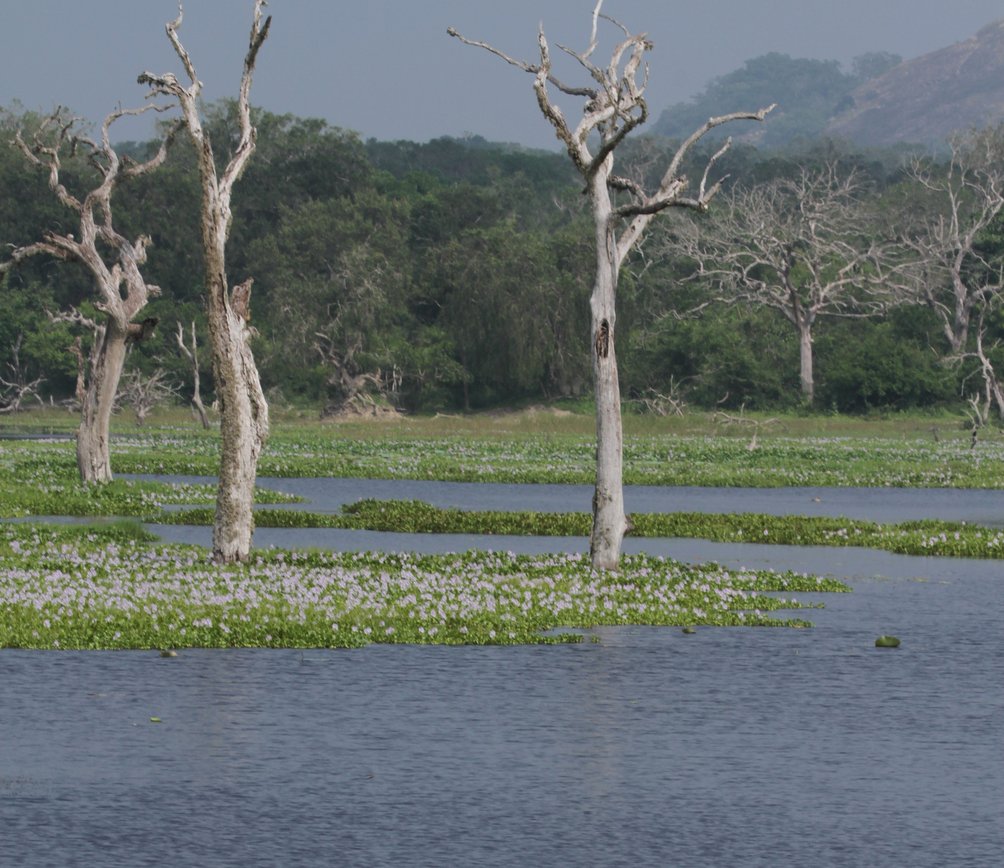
point(944, 266)
point(114, 262)
point(191, 353)
point(802, 247)
point(14, 391)
point(614, 105)
point(244, 411)
point(993, 390)
point(142, 393)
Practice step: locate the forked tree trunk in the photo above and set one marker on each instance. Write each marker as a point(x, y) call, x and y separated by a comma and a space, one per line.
point(107, 358)
point(114, 262)
point(609, 520)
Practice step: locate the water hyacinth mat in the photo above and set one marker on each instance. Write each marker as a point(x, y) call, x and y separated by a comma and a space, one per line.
point(109, 588)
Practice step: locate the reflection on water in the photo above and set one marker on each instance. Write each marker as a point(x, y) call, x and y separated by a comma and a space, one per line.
point(740, 746)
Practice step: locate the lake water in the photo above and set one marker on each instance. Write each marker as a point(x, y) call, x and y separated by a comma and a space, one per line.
point(729, 747)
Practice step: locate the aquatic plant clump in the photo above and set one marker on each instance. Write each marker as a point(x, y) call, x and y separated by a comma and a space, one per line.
point(65, 588)
point(648, 460)
point(41, 479)
point(533, 458)
point(929, 537)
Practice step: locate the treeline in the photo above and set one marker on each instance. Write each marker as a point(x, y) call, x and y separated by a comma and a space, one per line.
point(450, 275)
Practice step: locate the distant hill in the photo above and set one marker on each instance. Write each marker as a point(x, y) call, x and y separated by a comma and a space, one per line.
point(882, 101)
point(926, 99)
point(808, 93)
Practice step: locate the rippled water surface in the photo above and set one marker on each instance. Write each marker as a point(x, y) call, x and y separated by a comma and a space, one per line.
point(648, 747)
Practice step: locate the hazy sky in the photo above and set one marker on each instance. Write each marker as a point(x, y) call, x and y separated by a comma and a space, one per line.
point(387, 69)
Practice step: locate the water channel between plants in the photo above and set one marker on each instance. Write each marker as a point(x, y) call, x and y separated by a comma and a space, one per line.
point(731, 746)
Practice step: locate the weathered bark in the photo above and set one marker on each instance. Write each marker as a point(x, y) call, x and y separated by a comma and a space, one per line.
point(120, 290)
point(610, 522)
point(993, 391)
point(614, 106)
point(243, 409)
point(107, 358)
point(243, 420)
point(805, 363)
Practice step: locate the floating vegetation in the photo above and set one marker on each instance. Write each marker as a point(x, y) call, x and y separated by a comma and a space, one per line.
point(85, 588)
point(41, 479)
point(927, 537)
point(670, 459)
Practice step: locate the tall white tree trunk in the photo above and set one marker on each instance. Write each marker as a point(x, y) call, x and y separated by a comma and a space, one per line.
point(243, 429)
point(609, 520)
point(243, 409)
point(614, 106)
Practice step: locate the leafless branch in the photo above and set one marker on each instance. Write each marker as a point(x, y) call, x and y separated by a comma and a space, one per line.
point(143, 393)
point(15, 390)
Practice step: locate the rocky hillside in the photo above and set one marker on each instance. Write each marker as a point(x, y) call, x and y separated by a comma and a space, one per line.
point(924, 100)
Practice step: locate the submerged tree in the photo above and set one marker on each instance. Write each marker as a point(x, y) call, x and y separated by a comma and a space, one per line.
point(113, 261)
point(622, 210)
point(243, 408)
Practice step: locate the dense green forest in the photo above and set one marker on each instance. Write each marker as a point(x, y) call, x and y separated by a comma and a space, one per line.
point(455, 275)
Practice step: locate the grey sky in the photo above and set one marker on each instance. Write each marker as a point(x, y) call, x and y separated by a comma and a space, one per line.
point(387, 69)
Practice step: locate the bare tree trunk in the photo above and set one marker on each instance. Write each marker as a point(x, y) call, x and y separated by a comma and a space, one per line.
point(193, 357)
point(614, 106)
point(805, 359)
point(609, 520)
point(121, 292)
point(243, 409)
point(991, 385)
point(958, 333)
point(107, 358)
point(243, 422)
